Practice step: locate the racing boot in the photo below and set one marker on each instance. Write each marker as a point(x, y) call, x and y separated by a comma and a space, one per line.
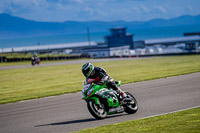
point(124, 96)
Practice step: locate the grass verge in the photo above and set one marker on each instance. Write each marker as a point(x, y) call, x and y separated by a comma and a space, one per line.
point(187, 121)
point(36, 82)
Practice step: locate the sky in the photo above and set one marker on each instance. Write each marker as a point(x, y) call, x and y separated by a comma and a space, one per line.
point(100, 10)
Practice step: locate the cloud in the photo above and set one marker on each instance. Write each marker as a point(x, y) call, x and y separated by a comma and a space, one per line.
point(79, 1)
point(144, 8)
point(161, 9)
point(89, 10)
point(188, 7)
point(136, 9)
point(107, 10)
point(18, 6)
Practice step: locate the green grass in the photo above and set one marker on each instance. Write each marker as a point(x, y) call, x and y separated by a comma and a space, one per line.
point(187, 121)
point(36, 82)
point(22, 55)
point(14, 63)
point(16, 55)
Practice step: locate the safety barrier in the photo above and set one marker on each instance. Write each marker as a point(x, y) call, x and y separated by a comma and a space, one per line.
point(4, 59)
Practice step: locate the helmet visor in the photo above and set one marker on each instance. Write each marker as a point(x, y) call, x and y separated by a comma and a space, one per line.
point(87, 71)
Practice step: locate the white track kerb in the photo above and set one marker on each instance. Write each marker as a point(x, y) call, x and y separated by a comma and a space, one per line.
point(169, 112)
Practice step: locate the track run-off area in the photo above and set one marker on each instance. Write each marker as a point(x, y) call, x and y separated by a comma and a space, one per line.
point(68, 113)
point(42, 64)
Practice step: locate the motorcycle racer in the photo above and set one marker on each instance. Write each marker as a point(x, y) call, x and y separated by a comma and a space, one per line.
point(99, 76)
point(35, 59)
point(35, 56)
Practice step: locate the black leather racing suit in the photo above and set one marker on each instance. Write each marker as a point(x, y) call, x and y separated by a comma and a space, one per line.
point(100, 75)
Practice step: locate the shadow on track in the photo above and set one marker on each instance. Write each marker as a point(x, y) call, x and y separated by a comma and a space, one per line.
point(68, 122)
point(78, 121)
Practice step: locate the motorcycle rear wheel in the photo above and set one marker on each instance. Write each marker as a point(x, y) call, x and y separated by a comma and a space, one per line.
point(99, 112)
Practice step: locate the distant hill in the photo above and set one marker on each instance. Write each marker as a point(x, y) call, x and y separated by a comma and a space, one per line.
point(11, 26)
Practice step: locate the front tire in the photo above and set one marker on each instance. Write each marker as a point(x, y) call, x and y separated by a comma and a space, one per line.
point(132, 107)
point(96, 111)
point(33, 63)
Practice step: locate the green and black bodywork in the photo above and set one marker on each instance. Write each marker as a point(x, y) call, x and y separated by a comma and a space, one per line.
point(102, 101)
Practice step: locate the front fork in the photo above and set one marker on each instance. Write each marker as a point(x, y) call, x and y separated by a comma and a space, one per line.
point(96, 100)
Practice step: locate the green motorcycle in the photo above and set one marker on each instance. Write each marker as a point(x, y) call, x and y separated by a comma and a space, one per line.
point(102, 101)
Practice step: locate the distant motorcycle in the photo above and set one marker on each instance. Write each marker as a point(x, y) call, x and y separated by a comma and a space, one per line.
point(35, 61)
point(102, 101)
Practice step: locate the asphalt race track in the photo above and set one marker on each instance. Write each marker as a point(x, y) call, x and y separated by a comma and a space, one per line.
point(67, 113)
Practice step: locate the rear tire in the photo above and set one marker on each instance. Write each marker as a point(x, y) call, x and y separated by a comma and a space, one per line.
point(131, 108)
point(95, 110)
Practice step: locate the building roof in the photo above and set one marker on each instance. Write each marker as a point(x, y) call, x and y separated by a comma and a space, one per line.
point(172, 40)
point(48, 47)
point(117, 28)
point(192, 34)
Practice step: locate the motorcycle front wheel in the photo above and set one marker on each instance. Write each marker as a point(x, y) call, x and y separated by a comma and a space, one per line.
point(98, 111)
point(131, 107)
point(33, 63)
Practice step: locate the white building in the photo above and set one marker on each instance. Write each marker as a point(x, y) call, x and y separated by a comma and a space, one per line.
point(99, 52)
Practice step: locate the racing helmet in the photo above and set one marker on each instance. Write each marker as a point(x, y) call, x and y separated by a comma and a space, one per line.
point(35, 55)
point(87, 69)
